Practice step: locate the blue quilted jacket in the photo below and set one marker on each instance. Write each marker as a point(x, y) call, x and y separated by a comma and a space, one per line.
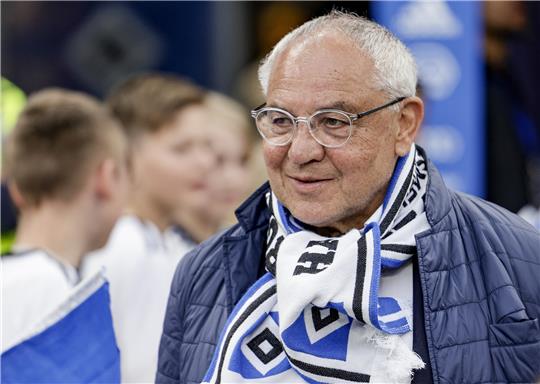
point(479, 273)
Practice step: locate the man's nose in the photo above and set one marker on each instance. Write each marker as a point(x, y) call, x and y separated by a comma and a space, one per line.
point(304, 148)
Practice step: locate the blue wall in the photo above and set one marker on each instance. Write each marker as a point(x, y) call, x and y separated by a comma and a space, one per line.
point(446, 40)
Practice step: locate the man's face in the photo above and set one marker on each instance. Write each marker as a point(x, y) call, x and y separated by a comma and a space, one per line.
point(338, 188)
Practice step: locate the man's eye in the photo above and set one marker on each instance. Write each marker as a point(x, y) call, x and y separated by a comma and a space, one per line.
point(282, 121)
point(330, 122)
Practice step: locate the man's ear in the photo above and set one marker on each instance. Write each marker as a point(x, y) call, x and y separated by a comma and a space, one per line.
point(410, 119)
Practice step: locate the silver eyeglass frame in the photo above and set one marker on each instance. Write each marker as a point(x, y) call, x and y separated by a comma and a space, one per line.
point(307, 119)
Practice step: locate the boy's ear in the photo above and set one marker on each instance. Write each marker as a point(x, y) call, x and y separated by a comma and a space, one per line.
point(16, 195)
point(105, 176)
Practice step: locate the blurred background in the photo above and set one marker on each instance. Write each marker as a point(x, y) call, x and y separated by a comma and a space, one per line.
point(478, 65)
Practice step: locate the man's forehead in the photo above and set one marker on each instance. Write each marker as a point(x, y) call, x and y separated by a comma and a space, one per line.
point(304, 94)
point(321, 63)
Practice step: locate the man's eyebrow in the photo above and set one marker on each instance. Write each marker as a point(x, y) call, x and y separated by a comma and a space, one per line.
point(273, 105)
point(341, 105)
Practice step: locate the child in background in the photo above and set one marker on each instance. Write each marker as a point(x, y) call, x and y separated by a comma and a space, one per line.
point(232, 139)
point(231, 180)
point(65, 161)
point(170, 160)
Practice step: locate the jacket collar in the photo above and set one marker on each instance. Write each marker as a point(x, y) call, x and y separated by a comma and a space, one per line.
point(243, 250)
point(438, 201)
point(254, 213)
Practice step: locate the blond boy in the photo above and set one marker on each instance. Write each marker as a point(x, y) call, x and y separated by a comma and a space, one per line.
point(66, 169)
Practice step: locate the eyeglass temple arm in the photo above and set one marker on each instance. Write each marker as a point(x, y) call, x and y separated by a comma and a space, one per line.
point(395, 101)
point(255, 110)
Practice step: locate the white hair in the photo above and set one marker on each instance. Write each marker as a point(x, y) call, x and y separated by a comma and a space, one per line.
point(395, 68)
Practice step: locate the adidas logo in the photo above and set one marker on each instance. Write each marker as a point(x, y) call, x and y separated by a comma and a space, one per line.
point(427, 19)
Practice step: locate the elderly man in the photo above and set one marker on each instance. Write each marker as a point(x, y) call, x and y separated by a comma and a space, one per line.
point(356, 263)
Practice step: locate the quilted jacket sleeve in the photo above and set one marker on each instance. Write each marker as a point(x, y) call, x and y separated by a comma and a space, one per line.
point(168, 370)
point(526, 265)
point(510, 259)
point(517, 336)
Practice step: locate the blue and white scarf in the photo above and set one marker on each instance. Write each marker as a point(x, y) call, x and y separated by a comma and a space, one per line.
point(316, 315)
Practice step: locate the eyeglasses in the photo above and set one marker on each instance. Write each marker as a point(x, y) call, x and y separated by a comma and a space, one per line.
point(331, 128)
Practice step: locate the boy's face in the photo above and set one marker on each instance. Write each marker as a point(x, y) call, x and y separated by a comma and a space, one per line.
point(171, 166)
point(229, 181)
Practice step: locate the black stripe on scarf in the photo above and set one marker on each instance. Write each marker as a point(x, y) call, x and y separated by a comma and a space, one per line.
point(362, 248)
point(252, 307)
point(330, 372)
point(397, 204)
point(406, 220)
point(399, 248)
point(359, 283)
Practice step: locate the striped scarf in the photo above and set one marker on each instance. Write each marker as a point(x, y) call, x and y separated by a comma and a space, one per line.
point(316, 315)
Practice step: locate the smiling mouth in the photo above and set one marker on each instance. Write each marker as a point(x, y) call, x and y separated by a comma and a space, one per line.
point(308, 180)
point(307, 185)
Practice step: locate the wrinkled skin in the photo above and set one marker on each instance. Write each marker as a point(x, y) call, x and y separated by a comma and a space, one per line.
point(335, 189)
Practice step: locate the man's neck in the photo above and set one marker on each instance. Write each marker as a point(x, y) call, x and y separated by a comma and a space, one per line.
point(357, 221)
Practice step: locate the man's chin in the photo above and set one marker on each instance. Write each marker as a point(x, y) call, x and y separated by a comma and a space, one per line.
point(312, 217)
point(327, 229)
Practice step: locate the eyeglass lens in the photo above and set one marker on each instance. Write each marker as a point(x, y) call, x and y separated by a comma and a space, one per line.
point(329, 128)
